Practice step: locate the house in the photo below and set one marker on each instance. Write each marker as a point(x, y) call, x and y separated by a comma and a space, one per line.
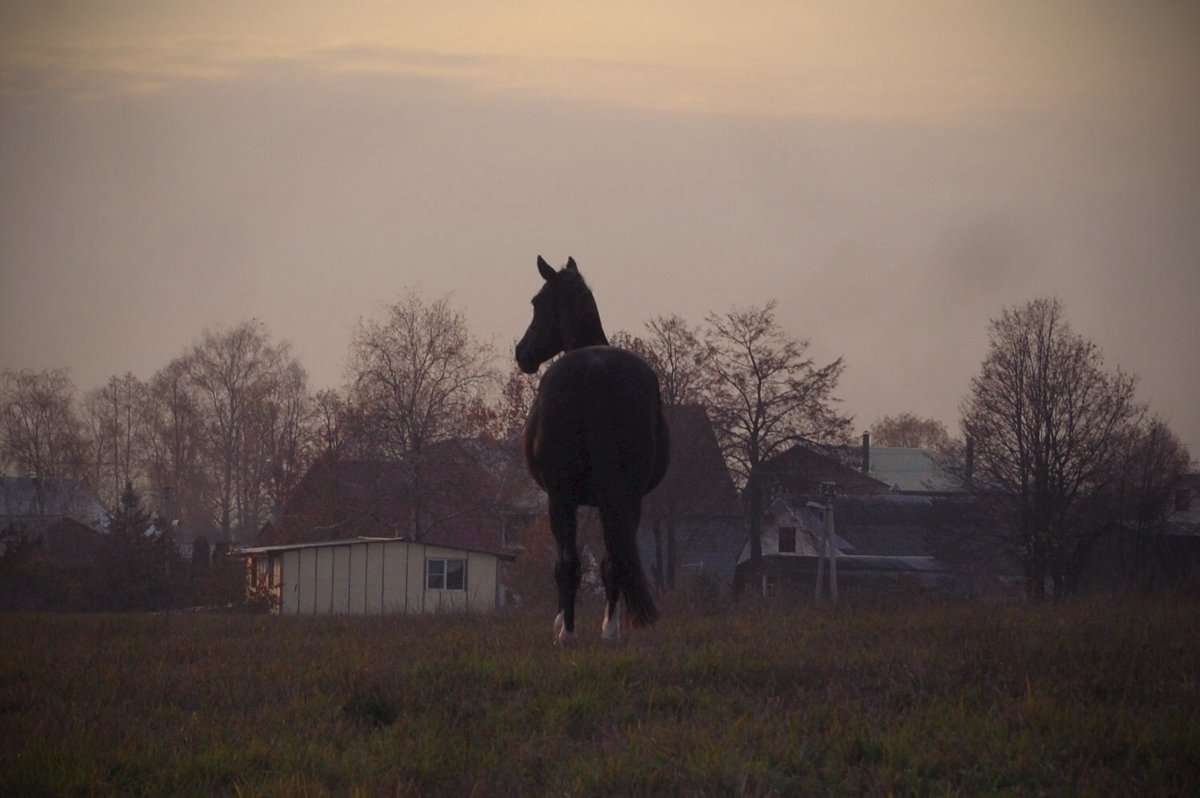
point(883, 544)
point(693, 519)
point(473, 494)
point(337, 542)
point(1165, 553)
point(887, 540)
point(30, 497)
point(374, 576)
point(61, 515)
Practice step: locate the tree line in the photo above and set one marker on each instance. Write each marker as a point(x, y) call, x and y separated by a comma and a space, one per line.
point(220, 435)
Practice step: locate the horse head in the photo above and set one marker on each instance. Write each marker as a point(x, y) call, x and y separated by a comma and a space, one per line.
point(565, 317)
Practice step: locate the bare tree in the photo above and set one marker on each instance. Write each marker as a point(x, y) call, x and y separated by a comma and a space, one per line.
point(1048, 424)
point(1151, 471)
point(176, 454)
point(417, 377)
point(911, 431)
point(236, 374)
point(768, 395)
point(41, 434)
point(279, 438)
point(512, 410)
point(331, 430)
point(119, 420)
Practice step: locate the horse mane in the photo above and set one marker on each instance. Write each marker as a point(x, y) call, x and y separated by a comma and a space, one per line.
point(586, 328)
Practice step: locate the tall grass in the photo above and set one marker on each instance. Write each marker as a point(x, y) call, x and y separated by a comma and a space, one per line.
point(1086, 699)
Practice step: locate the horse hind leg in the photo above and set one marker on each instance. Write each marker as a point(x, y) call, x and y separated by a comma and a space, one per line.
point(566, 570)
point(610, 630)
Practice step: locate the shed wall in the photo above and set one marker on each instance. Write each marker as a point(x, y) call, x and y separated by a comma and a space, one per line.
point(379, 577)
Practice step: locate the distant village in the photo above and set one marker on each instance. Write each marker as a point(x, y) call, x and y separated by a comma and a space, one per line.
point(224, 483)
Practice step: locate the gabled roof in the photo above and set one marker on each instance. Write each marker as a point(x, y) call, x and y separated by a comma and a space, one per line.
point(697, 481)
point(800, 470)
point(70, 498)
point(457, 493)
point(71, 543)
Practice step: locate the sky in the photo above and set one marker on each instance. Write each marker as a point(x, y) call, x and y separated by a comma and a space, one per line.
point(892, 175)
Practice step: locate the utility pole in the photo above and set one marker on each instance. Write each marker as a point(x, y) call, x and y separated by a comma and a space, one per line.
point(828, 551)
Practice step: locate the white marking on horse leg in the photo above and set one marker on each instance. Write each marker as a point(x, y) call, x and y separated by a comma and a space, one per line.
point(562, 636)
point(610, 630)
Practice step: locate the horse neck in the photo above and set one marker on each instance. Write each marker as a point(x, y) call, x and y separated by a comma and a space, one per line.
point(591, 335)
point(585, 328)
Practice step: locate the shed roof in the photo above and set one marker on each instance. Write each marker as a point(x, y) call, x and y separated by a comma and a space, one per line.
point(320, 544)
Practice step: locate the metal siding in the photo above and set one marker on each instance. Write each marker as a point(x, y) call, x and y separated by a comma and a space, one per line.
point(358, 578)
point(340, 604)
point(481, 582)
point(374, 578)
point(306, 583)
point(395, 579)
point(324, 581)
point(415, 576)
point(289, 589)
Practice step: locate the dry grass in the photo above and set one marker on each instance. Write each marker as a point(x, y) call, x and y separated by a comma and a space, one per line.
point(1087, 699)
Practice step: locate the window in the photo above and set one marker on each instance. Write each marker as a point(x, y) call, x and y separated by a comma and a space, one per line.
point(445, 574)
point(787, 540)
point(1183, 500)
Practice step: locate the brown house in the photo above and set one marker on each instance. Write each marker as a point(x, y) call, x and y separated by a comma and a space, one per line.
point(472, 494)
point(692, 523)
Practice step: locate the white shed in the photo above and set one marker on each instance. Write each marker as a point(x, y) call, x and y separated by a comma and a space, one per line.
point(373, 576)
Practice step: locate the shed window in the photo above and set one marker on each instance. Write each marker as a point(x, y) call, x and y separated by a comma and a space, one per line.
point(1183, 500)
point(787, 540)
point(445, 574)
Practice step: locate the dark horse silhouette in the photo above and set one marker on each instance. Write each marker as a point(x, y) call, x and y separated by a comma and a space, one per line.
point(595, 436)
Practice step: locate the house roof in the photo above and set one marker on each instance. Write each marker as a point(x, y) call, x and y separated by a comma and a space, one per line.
point(697, 482)
point(25, 497)
point(800, 470)
point(72, 543)
point(458, 493)
point(910, 470)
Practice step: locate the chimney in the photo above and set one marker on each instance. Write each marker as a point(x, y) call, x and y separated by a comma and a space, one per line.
point(866, 453)
point(969, 466)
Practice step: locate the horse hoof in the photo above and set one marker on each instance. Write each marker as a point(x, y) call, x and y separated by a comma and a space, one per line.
point(562, 635)
point(610, 630)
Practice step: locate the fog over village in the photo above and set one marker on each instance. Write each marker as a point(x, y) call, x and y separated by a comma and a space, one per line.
point(893, 178)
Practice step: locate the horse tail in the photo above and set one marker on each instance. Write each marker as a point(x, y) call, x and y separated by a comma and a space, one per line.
point(635, 590)
point(619, 502)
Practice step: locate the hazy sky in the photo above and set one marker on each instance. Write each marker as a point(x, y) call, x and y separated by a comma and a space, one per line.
point(893, 174)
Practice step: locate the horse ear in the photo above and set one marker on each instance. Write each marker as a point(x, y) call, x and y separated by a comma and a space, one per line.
point(571, 265)
point(545, 269)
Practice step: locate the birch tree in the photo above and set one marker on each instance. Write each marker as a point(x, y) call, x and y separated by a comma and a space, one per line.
point(41, 434)
point(118, 415)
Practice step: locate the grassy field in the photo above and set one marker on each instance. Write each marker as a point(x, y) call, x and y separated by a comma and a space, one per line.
point(1085, 699)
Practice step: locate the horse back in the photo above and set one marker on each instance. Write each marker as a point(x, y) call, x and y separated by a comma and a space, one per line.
point(598, 416)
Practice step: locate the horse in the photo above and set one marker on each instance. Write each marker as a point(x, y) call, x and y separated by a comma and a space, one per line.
point(595, 436)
